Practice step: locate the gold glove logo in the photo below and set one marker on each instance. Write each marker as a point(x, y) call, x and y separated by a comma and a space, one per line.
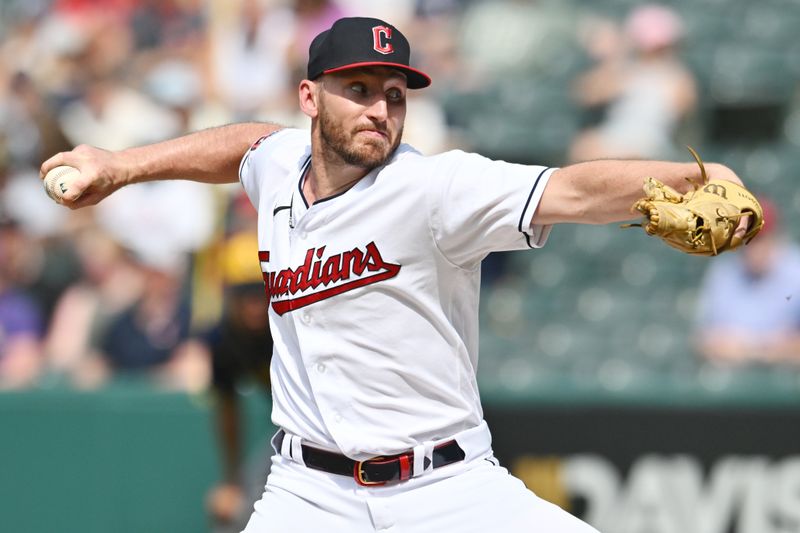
point(716, 188)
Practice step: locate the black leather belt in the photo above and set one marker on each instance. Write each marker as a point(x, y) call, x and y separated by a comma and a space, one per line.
point(378, 470)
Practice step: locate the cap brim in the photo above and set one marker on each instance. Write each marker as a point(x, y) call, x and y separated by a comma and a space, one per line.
point(416, 79)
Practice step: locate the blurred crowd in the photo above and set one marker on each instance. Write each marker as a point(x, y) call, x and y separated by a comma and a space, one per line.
point(154, 280)
point(162, 279)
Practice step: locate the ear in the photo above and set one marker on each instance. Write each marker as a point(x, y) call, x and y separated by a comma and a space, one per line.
point(308, 93)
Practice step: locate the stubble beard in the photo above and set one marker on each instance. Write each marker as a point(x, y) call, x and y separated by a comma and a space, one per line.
point(367, 154)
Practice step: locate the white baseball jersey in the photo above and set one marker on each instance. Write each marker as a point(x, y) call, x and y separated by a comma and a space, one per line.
point(374, 292)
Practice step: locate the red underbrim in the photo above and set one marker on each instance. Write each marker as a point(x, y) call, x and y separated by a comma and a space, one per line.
point(416, 78)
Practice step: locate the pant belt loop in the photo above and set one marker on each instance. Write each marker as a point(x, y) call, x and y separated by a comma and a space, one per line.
point(297, 450)
point(423, 459)
point(286, 446)
point(278, 436)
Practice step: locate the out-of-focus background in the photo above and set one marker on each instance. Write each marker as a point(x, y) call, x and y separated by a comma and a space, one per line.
point(639, 388)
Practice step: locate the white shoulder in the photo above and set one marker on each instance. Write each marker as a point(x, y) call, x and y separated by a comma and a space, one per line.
point(427, 170)
point(272, 158)
point(282, 148)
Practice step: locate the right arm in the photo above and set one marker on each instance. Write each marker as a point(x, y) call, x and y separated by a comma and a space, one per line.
point(208, 156)
point(226, 498)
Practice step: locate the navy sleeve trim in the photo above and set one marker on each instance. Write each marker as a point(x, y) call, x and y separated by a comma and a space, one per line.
point(338, 194)
point(303, 172)
point(527, 203)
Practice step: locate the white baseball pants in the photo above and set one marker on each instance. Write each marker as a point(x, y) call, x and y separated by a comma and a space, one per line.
point(472, 496)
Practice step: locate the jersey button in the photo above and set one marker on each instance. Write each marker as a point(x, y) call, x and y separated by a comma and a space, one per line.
point(306, 318)
point(321, 368)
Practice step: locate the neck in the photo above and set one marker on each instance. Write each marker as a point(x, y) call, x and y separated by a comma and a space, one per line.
point(329, 175)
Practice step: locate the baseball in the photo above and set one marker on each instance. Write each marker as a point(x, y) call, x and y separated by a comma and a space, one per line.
point(58, 181)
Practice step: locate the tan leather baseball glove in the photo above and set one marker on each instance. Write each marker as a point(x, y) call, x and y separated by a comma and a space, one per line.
point(702, 221)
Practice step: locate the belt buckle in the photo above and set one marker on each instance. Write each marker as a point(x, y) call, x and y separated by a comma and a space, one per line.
point(358, 474)
point(404, 463)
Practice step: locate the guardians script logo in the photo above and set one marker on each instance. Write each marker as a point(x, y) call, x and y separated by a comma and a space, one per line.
point(321, 277)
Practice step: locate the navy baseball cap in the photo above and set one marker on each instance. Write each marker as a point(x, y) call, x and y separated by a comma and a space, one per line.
point(363, 42)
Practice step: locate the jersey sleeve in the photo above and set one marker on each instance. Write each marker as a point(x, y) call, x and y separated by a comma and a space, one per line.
point(270, 159)
point(484, 206)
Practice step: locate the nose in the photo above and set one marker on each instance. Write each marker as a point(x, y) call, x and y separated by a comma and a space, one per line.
point(378, 111)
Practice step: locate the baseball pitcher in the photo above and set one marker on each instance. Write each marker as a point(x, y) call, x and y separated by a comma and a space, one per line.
point(371, 256)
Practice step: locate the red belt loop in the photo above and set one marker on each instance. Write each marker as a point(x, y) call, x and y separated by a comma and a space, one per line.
point(405, 467)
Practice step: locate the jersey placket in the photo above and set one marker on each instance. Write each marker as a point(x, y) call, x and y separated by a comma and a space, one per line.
point(307, 234)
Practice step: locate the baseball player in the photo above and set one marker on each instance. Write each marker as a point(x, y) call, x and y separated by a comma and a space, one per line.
point(371, 257)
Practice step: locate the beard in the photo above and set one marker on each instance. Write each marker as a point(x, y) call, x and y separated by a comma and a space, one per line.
point(365, 153)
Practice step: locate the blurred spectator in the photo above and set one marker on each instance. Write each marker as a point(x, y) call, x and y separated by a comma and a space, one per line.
point(151, 337)
point(647, 90)
point(30, 126)
point(112, 115)
point(177, 85)
point(311, 18)
point(29, 132)
point(50, 49)
point(21, 323)
point(436, 49)
point(160, 220)
point(110, 283)
point(249, 56)
point(434, 31)
point(25, 47)
point(241, 349)
point(43, 262)
point(167, 24)
point(603, 42)
point(513, 37)
point(749, 303)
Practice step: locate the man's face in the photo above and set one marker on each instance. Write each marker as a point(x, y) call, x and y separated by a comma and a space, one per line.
point(361, 114)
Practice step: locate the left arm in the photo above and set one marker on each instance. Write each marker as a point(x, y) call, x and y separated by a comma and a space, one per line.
point(731, 345)
point(603, 191)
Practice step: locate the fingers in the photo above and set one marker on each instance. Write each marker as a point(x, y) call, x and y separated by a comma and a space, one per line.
point(55, 161)
point(78, 157)
point(739, 233)
point(741, 228)
point(225, 502)
point(721, 172)
point(83, 200)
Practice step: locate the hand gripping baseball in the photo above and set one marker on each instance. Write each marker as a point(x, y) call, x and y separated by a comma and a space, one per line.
point(703, 221)
point(81, 177)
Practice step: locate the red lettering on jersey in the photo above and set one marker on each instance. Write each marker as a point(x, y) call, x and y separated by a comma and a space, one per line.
point(333, 275)
point(381, 35)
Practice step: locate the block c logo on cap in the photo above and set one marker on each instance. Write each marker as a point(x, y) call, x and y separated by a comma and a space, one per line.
point(381, 35)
